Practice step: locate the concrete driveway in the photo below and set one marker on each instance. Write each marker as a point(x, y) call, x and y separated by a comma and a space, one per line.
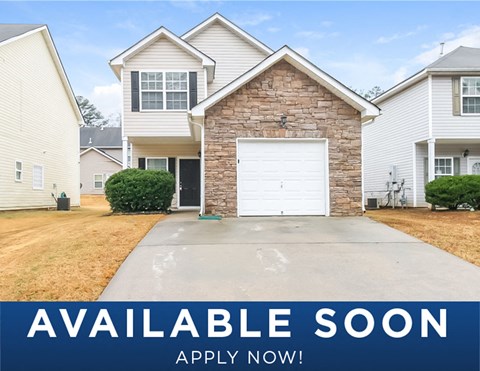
point(292, 259)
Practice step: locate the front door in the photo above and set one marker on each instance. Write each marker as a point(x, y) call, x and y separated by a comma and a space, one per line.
point(474, 165)
point(189, 182)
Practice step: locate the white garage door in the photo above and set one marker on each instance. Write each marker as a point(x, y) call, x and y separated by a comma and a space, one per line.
point(281, 177)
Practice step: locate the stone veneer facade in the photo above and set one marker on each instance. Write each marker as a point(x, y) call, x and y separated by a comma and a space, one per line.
point(254, 111)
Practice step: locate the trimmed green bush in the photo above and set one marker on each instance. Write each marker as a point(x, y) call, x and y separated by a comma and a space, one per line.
point(136, 190)
point(452, 191)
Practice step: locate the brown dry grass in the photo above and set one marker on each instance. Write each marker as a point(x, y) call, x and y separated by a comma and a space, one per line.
point(65, 255)
point(457, 232)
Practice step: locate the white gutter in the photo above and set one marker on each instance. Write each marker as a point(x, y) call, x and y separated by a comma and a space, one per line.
point(202, 164)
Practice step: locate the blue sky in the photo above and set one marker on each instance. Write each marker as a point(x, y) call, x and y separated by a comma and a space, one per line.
point(362, 44)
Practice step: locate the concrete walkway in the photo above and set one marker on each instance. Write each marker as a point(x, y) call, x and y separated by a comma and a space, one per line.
point(302, 258)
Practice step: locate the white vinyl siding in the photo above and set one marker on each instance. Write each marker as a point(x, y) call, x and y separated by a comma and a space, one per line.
point(18, 171)
point(37, 177)
point(232, 54)
point(390, 139)
point(37, 125)
point(162, 55)
point(445, 124)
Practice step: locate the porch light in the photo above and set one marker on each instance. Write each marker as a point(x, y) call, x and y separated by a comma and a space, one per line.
point(466, 153)
point(199, 154)
point(283, 121)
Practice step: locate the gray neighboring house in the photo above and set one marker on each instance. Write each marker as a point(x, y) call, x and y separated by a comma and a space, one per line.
point(100, 157)
point(429, 127)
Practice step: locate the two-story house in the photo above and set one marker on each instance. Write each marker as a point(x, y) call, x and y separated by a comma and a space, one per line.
point(244, 129)
point(429, 127)
point(39, 121)
point(100, 157)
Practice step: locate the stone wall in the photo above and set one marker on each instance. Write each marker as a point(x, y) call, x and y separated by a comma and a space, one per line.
point(254, 111)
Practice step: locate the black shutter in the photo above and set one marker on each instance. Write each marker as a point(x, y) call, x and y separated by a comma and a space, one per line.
point(456, 96)
point(171, 165)
point(192, 81)
point(425, 170)
point(135, 92)
point(141, 163)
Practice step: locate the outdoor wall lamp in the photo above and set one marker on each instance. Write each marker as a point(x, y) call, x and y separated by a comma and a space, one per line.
point(283, 121)
point(466, 153)
point(199, 154)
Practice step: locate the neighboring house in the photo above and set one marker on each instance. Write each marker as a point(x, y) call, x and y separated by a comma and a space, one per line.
point(39, 121)
point(429, 127)
point(100, 157)
point(245, 130)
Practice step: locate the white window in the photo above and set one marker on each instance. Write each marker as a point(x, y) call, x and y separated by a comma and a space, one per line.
point(164, 90)
point(443, 167)
point(471, 95)
point(37, 177)
point(156, 164)
point(18, 171)
point(98, 181)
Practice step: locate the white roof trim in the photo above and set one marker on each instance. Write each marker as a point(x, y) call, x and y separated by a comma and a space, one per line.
point(118, 62)
point(368, 110)
point(218, 17)
point(58, 64)
point(101, 153)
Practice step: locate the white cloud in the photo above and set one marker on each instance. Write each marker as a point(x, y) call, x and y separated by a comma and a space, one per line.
point(399, 75)
point(468, 37)
point(252, 19)
point(273, 29)
point(303, 51)
point(107, 98)
point(326, 23)
point(398, 36)
point(311, 34)
point(127, 25)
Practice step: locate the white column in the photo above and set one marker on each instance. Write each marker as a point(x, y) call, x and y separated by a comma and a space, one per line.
point(125, 152)
point(431, 159)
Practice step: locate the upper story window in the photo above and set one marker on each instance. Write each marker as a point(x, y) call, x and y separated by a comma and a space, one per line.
point(471, 95)
point(164, 90)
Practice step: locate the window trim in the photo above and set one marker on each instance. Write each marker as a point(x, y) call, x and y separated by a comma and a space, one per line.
point(95, 181)
point(467, 96)
point(156, 158)
point(43, 178)
point(21, 171)
point(164, 91)
point(452, 166)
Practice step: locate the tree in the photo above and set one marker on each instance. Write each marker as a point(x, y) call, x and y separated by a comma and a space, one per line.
point(91, 115)
point(370, 94)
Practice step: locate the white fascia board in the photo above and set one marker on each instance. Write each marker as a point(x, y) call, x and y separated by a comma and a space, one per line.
point(368, 110)
point(18, 37)
point(401, 86)
point(119, 61)
point(101, 153)
point(218, 17)
point(58, 64)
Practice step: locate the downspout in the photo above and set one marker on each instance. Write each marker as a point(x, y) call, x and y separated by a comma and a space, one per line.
point(202, 164)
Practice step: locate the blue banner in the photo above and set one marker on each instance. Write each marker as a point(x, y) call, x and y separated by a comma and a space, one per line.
point(239, 335)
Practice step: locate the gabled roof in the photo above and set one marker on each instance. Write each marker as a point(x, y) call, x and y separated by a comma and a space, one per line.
point(217, 17)
point(13, 32)
point(117, 62)
point(99, 151)
point(368, 110)
point(461, 59)
point(100, 137)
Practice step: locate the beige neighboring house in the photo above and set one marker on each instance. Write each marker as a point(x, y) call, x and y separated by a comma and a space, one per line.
point(245, 130)
point(39, 121)
point(100, 157)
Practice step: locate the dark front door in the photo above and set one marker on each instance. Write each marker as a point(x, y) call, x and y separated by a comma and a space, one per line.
point(189, 182)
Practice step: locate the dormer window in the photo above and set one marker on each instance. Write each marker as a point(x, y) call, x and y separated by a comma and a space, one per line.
point(471, 95)
point(164, 91)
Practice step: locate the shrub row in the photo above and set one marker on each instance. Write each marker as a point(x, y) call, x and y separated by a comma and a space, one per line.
point(136, 190)
point(453, 191)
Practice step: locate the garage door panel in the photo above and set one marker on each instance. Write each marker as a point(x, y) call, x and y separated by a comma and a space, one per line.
point(281, 177)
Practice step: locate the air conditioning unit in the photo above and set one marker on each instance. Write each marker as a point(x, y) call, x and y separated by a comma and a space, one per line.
point(372, 203)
